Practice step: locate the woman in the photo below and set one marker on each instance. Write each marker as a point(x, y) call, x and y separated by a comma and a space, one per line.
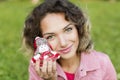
point(67, 30)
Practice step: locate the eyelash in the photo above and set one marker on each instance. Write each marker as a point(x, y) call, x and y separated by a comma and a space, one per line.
point(49, 37)
point(69, 29)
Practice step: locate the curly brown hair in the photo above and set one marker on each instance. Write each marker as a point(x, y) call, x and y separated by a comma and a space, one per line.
point(71, 12)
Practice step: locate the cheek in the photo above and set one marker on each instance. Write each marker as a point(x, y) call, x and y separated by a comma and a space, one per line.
point(53, 45)
point(74, 36)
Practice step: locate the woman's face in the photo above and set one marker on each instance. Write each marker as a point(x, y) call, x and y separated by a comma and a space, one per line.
point(61, 34)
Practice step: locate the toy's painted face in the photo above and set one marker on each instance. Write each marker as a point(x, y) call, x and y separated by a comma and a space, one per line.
point(43, 48)
point(42, 44)
point(40, 41)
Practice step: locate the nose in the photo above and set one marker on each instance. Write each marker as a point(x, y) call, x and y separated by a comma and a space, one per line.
point(62, 41)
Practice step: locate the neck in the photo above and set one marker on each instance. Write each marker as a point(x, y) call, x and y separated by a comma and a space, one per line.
point(70, 65)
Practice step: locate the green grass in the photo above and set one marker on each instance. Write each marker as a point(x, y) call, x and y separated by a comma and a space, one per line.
point(13, 65)
point(104, 17)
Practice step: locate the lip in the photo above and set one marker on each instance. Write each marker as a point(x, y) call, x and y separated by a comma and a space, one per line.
point(66, 50)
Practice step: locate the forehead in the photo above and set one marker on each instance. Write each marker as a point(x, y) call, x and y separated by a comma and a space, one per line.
point(53, 22)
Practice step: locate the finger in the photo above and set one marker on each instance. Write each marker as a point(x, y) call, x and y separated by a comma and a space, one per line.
point(37, 67)
point(44, 67)
point(54, 67)
point(49, 68)
point(33, 64)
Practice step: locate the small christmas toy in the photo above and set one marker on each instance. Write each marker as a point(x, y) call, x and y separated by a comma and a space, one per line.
point(43, 51)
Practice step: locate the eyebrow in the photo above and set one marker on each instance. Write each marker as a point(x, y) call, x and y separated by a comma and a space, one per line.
point(63, 29)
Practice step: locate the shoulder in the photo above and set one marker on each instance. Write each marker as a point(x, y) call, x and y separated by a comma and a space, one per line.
point(95, 59)
point(103, 60)
point(100, 62)
point(96, 55)
point(106, 65)
point(100, 56)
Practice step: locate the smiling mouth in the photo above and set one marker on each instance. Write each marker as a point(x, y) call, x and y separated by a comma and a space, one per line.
point(66, 50)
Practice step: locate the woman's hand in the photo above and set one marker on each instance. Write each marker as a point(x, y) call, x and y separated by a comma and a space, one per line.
point(48, 69)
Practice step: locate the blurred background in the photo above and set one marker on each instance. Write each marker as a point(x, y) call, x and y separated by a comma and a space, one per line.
point(105, 20)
